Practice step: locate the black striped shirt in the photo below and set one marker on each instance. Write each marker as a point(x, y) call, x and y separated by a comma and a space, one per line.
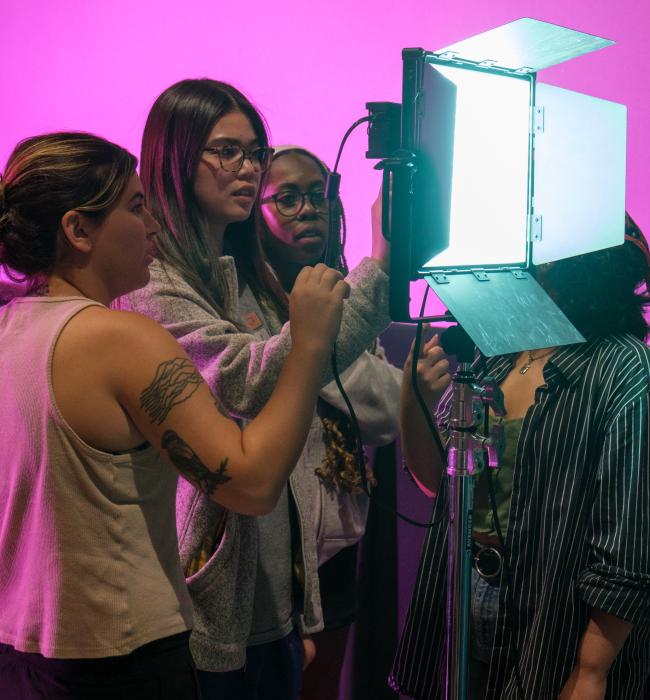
point(578, 530)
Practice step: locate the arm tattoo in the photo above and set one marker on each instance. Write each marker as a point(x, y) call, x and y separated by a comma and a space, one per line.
point(175, 381)
point(191, 467)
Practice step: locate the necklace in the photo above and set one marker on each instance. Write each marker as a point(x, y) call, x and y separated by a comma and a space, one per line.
point(532, 358)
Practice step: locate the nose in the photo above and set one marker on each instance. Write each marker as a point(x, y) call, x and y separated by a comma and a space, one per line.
point(248, 170)
point(308, 210)
point(151, 224)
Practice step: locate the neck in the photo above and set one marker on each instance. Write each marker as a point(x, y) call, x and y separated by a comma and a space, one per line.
point(70, 285)
point(543, 352)
point(216, 234)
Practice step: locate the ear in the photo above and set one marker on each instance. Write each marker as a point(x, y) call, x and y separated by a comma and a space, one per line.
point(75, 230)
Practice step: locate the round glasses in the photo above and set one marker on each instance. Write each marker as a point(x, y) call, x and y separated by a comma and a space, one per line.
point(292, 203)
point(232, 156)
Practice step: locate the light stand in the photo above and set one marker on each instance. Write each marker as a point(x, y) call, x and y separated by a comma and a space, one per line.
point(465, 460)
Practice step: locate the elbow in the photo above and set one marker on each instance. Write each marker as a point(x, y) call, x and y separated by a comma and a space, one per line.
point(255, 499)
point(425, 480)
point(429, 487)
point(264, 496)
point(431, 493)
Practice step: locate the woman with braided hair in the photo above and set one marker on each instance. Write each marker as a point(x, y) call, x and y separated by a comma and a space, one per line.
point(298, 228)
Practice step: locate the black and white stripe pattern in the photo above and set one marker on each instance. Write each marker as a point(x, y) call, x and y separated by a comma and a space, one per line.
point(578, 532)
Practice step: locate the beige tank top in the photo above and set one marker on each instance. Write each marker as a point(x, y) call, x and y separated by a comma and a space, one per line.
point(89, 563)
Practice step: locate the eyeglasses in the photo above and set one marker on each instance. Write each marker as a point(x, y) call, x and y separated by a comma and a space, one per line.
point(231, 157)
point(292, 203)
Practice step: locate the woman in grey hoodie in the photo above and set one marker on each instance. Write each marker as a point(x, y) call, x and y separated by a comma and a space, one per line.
point(204, 152)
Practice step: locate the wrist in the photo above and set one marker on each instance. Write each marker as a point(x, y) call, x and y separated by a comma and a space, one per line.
point(312, 350)
point(410, 401)
point(590, 669)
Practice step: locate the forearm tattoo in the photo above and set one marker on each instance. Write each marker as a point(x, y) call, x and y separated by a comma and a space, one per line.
point(191, 467)
point(175, 381)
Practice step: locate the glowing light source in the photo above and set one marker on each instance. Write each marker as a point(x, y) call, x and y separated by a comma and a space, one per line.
point(490, 169)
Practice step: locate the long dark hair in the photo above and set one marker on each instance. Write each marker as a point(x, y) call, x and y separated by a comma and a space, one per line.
point(605, 291)
point(45, 177)
point(176, 131)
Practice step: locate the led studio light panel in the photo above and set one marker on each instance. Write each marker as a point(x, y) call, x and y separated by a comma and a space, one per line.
point(508, 173)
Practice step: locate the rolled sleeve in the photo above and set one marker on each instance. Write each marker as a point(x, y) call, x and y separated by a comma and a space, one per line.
point(617, 576)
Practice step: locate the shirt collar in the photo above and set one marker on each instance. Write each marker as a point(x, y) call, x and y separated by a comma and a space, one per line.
point(569, 363)
point(566, 365)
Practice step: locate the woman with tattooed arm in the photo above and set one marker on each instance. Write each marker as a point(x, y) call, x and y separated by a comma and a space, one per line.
point(96, 407)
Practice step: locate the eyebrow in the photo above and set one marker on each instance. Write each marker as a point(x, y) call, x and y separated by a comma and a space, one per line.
point(313, 185)
point(227, 139)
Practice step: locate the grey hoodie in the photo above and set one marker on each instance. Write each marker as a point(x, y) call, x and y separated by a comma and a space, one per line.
point(242, 369)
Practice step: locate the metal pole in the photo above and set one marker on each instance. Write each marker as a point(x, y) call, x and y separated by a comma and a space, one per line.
point(461, 468)
point(459, 585)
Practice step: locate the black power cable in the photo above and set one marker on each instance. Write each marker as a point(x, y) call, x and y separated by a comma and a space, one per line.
point(332, 193)
point(359, 455)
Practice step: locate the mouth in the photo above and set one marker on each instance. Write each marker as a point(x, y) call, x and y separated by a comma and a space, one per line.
point(150, 255)
point(307, 234)
point(247, 193)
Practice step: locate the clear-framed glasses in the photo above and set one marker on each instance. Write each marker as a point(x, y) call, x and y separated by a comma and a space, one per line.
point(291, 203)
point(231, 157)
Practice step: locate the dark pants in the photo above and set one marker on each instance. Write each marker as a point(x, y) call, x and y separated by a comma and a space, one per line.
point(483, 615)
point(339, 593)
point(273, 671)
point(161, 670)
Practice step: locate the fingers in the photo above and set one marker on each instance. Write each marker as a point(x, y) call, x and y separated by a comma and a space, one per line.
point(319, 274)
point(425, 329)
point(309, 651)
point(431, 372)
point(303, 276)
point(330, 277)
point(433, 342)
point(431, 351)
point(433, 366)
point(341, 290)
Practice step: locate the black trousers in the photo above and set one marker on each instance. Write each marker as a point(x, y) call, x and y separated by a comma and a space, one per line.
point(160, 670)
point(273, 671)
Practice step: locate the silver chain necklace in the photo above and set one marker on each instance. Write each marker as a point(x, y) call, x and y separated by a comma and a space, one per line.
point(532, 358)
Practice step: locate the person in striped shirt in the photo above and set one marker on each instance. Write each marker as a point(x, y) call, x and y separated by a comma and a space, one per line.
point(572, 618)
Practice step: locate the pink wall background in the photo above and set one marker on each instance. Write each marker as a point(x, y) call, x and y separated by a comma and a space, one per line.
point(310, 67)
point(97, 65)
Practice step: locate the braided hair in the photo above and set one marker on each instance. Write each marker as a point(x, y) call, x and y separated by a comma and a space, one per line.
point(339, 467)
